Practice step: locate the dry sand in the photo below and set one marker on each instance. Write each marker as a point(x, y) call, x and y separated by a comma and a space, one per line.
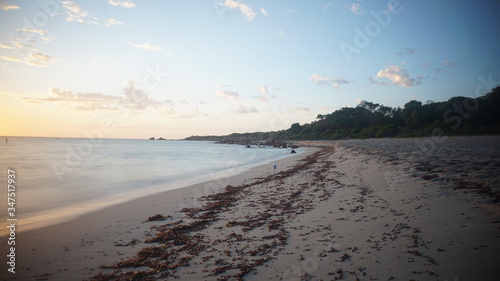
point(328, 214)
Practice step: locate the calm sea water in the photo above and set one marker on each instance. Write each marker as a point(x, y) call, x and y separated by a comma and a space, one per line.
point(57, 179)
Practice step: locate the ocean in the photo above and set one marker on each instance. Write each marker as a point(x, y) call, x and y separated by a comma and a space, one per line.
point(57, 179)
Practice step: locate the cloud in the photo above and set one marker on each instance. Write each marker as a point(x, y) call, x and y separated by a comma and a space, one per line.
point(244, 9)
point(333, 81)
point(146, 46)
point(11, 58)
point(327, 6)
point(263, 89)
point(447, 63)
point(122, 3)
point(230, 95)
point(79, 101)
point(355, 8)
point(35, 59)
point(40, 59)
point(24, 42)
point(375, 81)
point(28, 33)
point(6, 6)
point(192, 114)
point(264, 12)
point(406, 51)
point(76, 13)
point(132, 98)
point(260, 98)
point(302, 108)
point(5, 46)
point(245, 110)
point(112, 22)
point(397, 75)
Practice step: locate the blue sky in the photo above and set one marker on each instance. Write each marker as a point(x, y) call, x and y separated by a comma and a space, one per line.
point(181, 68)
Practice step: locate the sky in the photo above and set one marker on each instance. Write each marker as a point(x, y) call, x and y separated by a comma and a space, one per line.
point(172, 69)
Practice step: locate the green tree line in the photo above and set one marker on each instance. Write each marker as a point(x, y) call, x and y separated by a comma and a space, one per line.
point(457, 116)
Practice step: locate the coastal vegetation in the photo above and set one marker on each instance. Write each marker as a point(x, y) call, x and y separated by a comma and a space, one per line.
point(457, 116)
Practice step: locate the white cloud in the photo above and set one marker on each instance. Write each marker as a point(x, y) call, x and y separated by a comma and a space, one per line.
point(245, 110)
point(35, 59)
point(11, 58)
point(40, 59)
point(112, 22)
point(263, 89)
point(29, 32)
point(132, 98)
point(5, 46)
point(398, 76)
point(264, 12)
point(146, 46)
point(355, 8)
point(230, 95)
point(122, 3)
point(24, 42)
point(77, 13)
point(79, 101)
point(333, 81)
point(4, 5)
point(244, 9)
point(327, 6)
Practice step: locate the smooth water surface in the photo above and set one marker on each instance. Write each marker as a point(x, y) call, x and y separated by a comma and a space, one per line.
point(57, 179)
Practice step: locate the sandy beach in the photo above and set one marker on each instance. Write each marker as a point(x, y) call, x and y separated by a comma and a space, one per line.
point(339, 211)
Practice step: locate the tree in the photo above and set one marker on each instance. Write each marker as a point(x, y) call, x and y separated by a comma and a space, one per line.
point(295, 129)
point(320, 117)
point(410, 113)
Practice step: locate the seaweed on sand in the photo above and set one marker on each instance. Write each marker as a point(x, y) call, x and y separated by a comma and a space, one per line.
point(177, 244)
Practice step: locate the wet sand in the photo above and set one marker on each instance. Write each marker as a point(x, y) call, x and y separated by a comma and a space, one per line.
point(352, 210)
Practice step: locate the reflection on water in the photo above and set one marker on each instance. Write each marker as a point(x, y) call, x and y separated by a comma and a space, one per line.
point(60, 178)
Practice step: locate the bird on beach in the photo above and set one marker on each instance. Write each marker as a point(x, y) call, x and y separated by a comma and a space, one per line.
point(274, 166)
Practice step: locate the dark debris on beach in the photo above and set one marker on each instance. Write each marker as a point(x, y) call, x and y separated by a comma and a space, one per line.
point(469, 164)
point(183, 244)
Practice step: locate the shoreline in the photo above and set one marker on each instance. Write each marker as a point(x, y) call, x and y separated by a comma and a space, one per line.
point(61, 214)
point(329, 213)
point(90, 238)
